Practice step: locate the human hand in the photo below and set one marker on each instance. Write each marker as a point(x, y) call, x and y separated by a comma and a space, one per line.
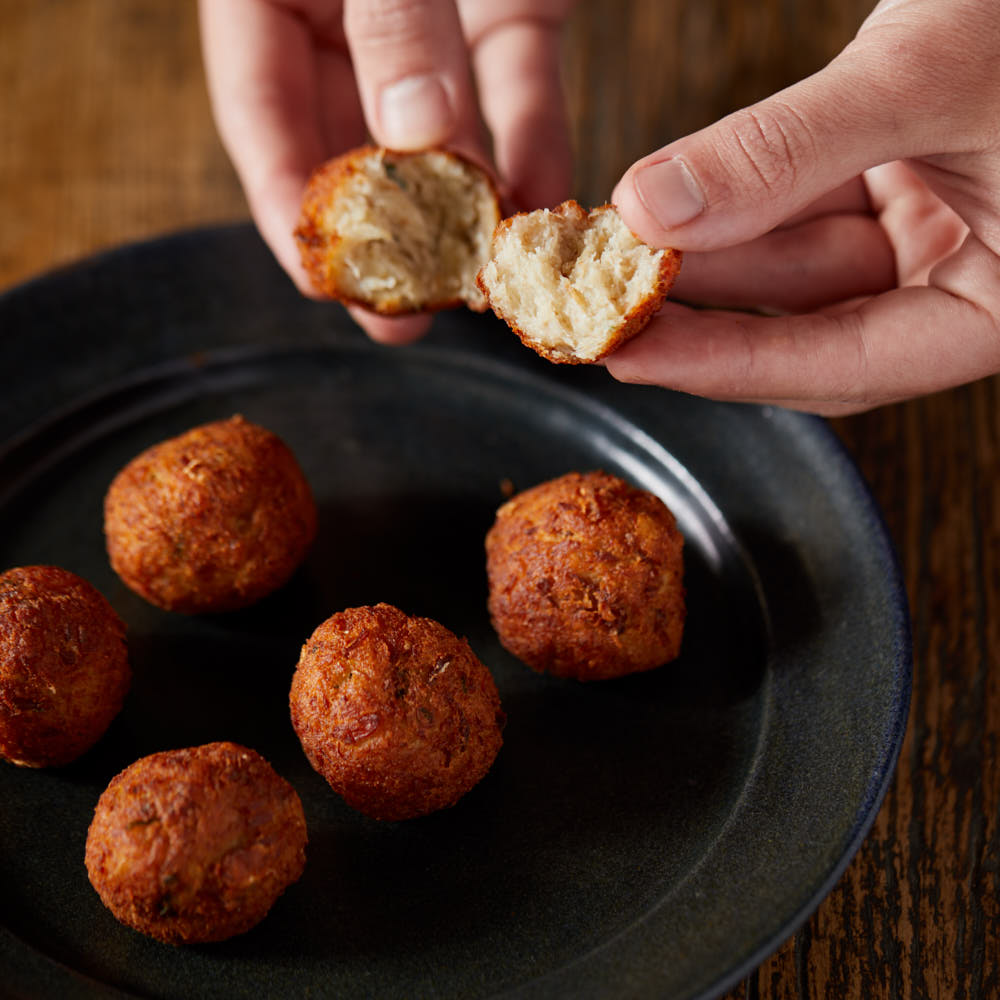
point(293, 84)
point(862, 204)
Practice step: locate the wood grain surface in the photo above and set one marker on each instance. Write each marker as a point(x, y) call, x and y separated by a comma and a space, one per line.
point(106, 136)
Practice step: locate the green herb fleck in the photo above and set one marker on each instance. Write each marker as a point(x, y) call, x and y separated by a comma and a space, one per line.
point(392, 172)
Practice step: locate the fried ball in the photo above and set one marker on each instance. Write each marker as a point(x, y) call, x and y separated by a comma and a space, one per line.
point(196, 844)
point(212, 520)
point(586, 578)
point(572, 284)
point(398, 232)
point(395, 711)
point(64, 669)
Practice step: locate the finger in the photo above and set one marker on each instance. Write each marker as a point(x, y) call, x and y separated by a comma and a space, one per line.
point(741, 177)
point(851, 198)
point(262, 74)
point(905, 343)
point(393, 331)
point(258, 65)
point(517, 72)
point(412, 69)
point(342, 125)
point(813, 264)
point(922, 227)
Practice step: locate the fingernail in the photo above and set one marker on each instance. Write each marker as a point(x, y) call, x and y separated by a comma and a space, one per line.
point(669, 192)
point(415, 113)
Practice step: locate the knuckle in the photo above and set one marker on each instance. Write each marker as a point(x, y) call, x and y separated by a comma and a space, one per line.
point(857, 383)
point(774, 142)
point(387, 23)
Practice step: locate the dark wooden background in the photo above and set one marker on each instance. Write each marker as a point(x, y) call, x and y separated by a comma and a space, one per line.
point(106, 136)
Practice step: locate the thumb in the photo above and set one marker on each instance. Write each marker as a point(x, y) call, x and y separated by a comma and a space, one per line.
point(742, 176)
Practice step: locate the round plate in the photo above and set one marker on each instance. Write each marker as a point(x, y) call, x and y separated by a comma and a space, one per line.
point(654, 836)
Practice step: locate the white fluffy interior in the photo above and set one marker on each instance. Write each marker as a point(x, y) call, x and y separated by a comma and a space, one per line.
point(568, 282)
point(415, 229)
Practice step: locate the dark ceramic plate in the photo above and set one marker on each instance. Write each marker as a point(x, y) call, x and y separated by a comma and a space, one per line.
point(655, 836)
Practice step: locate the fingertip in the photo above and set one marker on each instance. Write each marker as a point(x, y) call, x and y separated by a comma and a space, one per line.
point(632, 211)
point(658, 196)
point(656, 355)
point(393, 331)
point(534, 184)
point(414, 113)
point(623, 367)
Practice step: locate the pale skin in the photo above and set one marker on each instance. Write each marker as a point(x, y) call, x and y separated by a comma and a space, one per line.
point(295, 82)
point(857, 213)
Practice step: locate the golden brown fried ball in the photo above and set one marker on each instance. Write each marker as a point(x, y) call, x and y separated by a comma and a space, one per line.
point(398, 232)
point(395, 711)
point(212, 520)
point(197, 844)
point(64, 669)
point(585, 578)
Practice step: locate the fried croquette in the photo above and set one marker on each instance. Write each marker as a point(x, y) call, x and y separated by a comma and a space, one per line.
point(398, 232)
point(395, 711)
point(196, 845)
point(586, 578)
point(212, 520)
point(574, 285)
point(64, 669)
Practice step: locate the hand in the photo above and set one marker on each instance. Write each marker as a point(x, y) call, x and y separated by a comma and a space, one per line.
point(295, 83)
point(862, 204)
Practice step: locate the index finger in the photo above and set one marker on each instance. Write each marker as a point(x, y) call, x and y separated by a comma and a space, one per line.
point(282, 104)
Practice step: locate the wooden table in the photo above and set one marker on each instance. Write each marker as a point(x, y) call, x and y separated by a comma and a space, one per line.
point(106, 136)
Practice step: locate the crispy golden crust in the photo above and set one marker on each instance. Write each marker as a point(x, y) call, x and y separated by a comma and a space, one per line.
point(64, 669)
point(632, 322)
point(396, 712)
point(317, 244)
point(585, 578)
point(211, 520)
point(197, 844)
point(320, 246)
